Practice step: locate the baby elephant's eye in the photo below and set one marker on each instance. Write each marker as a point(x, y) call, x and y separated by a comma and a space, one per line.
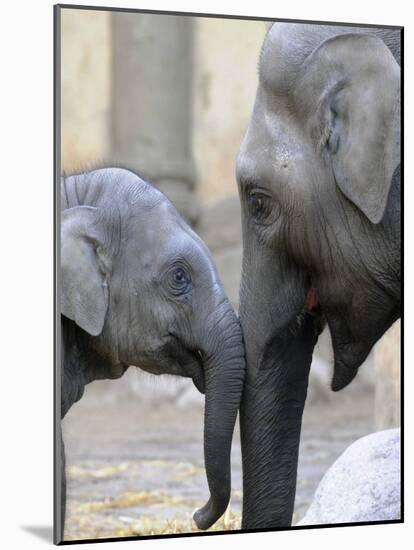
point(179, 281)
point(179, 276)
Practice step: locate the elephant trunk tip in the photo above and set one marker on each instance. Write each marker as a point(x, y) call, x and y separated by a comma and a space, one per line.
point(206, 516)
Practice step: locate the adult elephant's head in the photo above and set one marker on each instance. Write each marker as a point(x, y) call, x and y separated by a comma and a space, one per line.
point(318, 176)
point(142, 289)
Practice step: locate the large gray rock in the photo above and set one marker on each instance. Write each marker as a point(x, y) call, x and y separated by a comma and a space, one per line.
point(362, 485)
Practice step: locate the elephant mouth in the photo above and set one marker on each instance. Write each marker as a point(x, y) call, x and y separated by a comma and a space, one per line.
point(190, 361)
point(198, 377)
point(313, 308)
point(312, 304)
point(348, 354)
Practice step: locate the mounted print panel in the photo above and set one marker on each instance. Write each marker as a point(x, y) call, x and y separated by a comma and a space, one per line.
point(228, 247)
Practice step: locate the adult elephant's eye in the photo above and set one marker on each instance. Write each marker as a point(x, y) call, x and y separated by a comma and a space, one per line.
point(259, 206)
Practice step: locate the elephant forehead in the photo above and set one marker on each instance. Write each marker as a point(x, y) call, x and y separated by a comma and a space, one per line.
point(159, 236)
point(151, 224)
point(286, 47)
point(273, 142)
point(281, 58)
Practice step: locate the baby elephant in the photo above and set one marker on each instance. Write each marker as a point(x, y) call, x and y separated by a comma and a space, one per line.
point(139, 287)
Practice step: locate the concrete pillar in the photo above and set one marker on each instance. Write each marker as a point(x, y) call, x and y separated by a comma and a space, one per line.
point(152, 102)
point(387, 359)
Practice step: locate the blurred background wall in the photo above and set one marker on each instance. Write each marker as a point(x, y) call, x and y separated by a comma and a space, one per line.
point(171, 98)
point(85, 85)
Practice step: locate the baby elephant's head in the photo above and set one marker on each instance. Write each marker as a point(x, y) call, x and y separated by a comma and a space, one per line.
point(142, 284)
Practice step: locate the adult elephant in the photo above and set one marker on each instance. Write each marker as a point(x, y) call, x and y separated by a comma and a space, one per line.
point(319, 184)
point(139, 287)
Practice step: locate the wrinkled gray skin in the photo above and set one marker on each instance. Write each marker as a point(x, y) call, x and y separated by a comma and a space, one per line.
point(319, 184)
point(138, 287)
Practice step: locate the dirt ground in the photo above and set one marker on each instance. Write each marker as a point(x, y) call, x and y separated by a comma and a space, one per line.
point(135, 468)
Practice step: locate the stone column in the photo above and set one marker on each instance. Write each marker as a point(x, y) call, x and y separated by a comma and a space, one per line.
point(388, 379)
point(152, 102)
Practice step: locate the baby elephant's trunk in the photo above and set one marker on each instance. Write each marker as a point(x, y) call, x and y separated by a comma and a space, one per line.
point(224, 367)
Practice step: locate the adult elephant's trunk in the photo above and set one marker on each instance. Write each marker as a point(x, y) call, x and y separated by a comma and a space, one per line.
point(270, 417)
point(224, 366)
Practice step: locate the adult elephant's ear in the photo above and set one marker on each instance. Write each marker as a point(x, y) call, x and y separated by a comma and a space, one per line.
point(84, 290)
point(357, 84)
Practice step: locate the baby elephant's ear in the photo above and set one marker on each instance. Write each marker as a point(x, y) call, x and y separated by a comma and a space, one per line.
point(84, 291)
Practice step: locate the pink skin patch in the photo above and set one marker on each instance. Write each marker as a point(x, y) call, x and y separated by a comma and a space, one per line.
point(312, 300)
